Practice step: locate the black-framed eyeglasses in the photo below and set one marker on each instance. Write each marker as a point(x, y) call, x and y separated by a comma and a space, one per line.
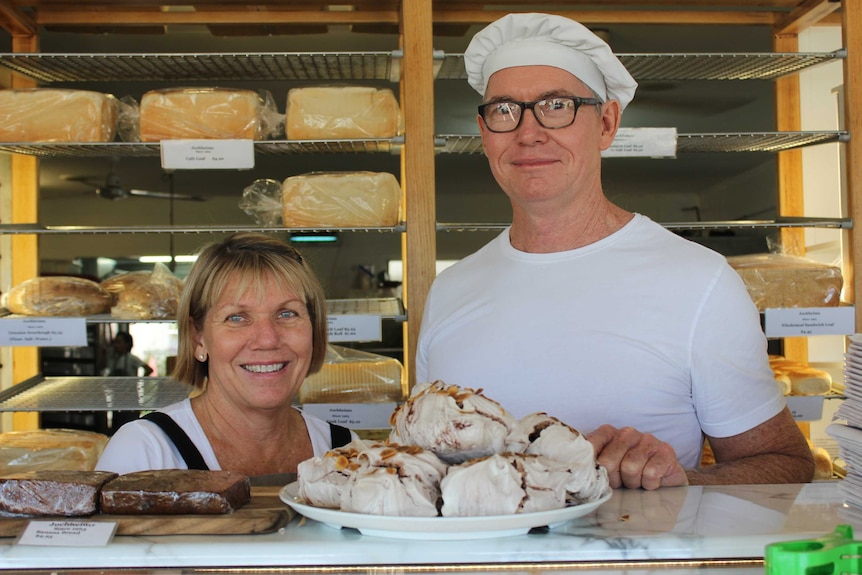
point(552, 113)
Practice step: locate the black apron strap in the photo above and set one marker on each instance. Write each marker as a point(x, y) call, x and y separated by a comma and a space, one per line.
point(340, 436)
point(175, 433)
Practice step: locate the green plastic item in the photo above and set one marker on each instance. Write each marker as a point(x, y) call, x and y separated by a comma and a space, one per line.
point(835, 553)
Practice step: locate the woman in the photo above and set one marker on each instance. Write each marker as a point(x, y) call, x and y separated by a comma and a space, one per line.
point(252, 325)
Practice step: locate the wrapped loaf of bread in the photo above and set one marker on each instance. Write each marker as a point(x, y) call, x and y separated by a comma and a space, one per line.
point(176, 492)
point(57, 115)
point(355, 376)
point(58, 296)
point(341, 112)
point(803, 379)
point(43, 449)
point(782, 281)
point(202, 114)
point(145, 294)
point(53, 492)
point(341, 199)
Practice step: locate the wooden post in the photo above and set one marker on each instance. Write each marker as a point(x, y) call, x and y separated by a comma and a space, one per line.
point(417, 177)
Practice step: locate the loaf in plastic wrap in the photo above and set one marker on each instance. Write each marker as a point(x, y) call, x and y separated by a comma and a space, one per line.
point(58, 296)
point(52, 492)
point(783, 281)
point(341, 112)
point(151, 294)
point(341, 199)
point(57, 115)
point(43, 449)
point(176, 492)
point(203, 114)
point(355, 376)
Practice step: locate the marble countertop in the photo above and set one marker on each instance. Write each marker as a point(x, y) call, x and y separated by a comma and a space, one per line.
point(671, 524)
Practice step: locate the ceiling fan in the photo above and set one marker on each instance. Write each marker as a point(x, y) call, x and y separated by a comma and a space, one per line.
point(111, 189)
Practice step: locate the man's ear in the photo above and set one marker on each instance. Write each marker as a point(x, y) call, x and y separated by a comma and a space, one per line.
point(610, 119)
point(483, 131)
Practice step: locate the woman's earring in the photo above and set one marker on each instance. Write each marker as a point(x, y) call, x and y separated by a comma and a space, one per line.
point(202, 357)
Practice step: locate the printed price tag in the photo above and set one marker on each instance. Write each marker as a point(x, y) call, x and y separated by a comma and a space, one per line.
point(207, 154)
point(44, 332)
point(355, 327)
point(68, 533)
point(643, 142)
point(806, 321)
point(353, 415)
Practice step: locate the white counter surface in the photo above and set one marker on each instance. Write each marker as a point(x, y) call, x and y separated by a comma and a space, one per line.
point(686, 523)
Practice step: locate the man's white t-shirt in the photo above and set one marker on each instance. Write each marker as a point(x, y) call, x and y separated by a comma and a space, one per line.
point(141, 444)
point(642, 329)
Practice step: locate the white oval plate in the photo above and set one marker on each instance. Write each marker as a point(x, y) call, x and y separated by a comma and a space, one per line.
point(440, 528)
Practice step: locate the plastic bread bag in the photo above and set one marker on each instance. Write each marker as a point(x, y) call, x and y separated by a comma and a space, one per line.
point(262, 201)
point(207, 113)
point(128, 119)
point(355, 376)
point(145, 294)
point(57, 115)
point(342, 112)
point(40, 449)
point(51, 296)
point(341, 199)
point(776, 280)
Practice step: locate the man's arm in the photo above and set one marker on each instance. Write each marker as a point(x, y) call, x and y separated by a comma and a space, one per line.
point(773, 452)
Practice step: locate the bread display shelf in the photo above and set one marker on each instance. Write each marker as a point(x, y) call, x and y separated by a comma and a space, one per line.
point(86, 393)
point(38, 229)
point(692, 66)
point(246, 66)
point(386, 308)
point(153, 149)
point(265, 513)
point(95, 67)
point(691, 143)
point(842, 223)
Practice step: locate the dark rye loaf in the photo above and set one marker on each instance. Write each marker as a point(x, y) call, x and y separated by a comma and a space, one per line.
point(52, 492)
point(175, 492)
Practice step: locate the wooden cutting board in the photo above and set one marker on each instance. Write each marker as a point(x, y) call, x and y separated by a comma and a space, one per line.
point(264, 514)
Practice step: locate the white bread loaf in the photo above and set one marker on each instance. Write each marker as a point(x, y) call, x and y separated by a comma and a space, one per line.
point(823, 467)
point(341, 112)
point(201, 114)
point(57, 115)
point(341, 199)
point(781, 281)
point(355, 376)
point(58, 296)
point(804, 379)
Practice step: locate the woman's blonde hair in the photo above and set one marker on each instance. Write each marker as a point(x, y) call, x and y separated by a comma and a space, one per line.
point(252, 257)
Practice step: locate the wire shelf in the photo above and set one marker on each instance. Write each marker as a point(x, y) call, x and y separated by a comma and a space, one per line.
point(690, 143)
point(692, 66)
point(153, 149)
point(84, 393)
point(246, 66)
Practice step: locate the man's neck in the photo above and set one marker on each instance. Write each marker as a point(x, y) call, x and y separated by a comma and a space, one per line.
point(562, 231)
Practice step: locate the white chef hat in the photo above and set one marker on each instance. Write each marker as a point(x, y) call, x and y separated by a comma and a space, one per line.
point(544, 39)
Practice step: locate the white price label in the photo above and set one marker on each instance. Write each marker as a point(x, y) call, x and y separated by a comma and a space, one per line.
point(207, 154)
point(44, 332)
point(807, 321)
point(69, 533)
point(643, 142)
point(353, 415)
point(355, 327)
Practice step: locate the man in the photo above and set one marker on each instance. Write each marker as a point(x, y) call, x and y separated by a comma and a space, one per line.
point(591, 313)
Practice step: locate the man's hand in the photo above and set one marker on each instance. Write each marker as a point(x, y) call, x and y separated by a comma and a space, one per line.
point(634, 459)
